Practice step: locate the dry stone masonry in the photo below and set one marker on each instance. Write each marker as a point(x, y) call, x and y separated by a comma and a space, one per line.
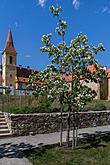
point(25, 124)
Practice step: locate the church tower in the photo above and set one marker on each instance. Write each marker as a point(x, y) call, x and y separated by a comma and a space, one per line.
point(9, 63)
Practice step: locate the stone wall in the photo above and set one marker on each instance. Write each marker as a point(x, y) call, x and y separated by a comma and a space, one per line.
point(25, 124)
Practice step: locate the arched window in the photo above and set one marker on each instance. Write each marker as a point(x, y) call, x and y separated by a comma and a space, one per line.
point(10, 75)
point(11, 59)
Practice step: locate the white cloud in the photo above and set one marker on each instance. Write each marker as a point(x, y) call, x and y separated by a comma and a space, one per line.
point(16, 24)
point(27, 56)
point(104, 9)
point(41, 2)
point(76, 4)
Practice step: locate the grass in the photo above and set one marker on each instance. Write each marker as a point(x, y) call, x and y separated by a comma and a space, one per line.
point(88, 154)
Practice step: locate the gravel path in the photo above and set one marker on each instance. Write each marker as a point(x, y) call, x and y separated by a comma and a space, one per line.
point(11, 149)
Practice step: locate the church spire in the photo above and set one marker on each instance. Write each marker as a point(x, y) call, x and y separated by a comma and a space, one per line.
point(9, 41)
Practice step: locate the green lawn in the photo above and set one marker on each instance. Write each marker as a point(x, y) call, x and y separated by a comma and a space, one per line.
point(88, 154)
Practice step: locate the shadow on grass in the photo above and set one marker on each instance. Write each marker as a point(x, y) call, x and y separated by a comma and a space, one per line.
point(39, 151)
point(98, 139)
point(87, 141)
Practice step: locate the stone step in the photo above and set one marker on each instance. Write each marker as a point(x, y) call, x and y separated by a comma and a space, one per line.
point(4, 131)
point(2, 120)
point(5, 135)
point(3, 123)
point(2, 116)
point(3, 126)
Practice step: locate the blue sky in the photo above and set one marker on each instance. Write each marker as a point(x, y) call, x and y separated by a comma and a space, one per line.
point(30, 19)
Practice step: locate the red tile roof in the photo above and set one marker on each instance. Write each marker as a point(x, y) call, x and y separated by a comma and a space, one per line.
point(68, 78)
point(24, 73)
point(92, 67)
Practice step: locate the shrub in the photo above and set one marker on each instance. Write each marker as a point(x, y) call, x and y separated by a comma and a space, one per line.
point(97, 105)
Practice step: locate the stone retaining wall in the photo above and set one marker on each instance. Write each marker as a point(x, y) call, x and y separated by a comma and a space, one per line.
point(25, 124)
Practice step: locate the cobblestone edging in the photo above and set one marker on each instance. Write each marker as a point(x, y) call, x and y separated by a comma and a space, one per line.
point(25, 124)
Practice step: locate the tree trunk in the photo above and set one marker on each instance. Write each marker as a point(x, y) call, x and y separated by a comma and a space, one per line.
point(61, 127)
point(76, 137)
point(20, 101)
point(73, 131)
point(76, 122)
point(68, 127)
point(61, 121)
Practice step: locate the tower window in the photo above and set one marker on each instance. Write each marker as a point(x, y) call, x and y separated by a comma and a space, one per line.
point(10, 75)
point(11, 59)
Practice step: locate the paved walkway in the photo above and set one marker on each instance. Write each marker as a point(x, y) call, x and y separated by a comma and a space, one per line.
point(11, 149)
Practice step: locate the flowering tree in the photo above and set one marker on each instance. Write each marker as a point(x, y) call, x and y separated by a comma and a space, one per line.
point(51, 84)
point(71, 60)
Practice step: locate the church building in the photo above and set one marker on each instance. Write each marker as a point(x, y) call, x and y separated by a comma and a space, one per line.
point(11, 75)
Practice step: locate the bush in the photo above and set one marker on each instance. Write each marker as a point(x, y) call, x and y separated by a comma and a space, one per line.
point(100, 107)
point(97, 105)
point(30, 109)
point(43, 105)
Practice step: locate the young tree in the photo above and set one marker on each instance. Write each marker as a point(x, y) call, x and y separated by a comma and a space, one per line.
point(71, 61)
point(51, 84)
